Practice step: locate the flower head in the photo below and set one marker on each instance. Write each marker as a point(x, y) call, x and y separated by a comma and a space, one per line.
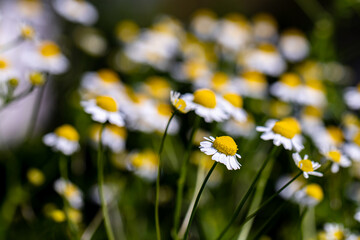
point(223, 149)
point(178, 102)
point(310, 195)
point(64, 139)
point(70, 192)
point(307, 166)
point(338, 159)
point(286, 132)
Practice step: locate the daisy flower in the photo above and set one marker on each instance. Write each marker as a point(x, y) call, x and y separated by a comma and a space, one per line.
point(79, 11)
point(144, 164)
point(157, 87)
point(251, 84)
point(307, 166)
point(338, 159)
point(310, 195)
point(352, 149)
point(64, 139)
point(205, 104)
point(113, 137)
point(294, 45)
point(352, 97)
point(204, 24)
point(178, 103)
point(104, 109)
point(218, 82)
point(46, 57)
point(284, 132)
point(335, 231)
point(311, 118)
point(264, 27)
point(240, 128)
point(232, 104)
point(287, 88)
point(223, 149)
point(70, 192)
point(328, 137)
point(313, 93)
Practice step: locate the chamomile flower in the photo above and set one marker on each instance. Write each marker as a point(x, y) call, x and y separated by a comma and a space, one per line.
point(264, 27)
point(157, 87)
point(144, 163)
point(223, 149)
point(178, 103)
point(240, 128)
point(232, 104)
point(335, 231)
point(310, 195)
point(104, 109)
point(70, 192)
point(352, 97)
point(352, 149)
point(294, 45)
point(79, 11)
point(251, 84)
point(284, 132)
point(313, 93)
point(113, 137)
point(307, 166)
point(205, 104)
point(287, 88)
point(338, 159)
point(311, 120)
point(64, 139)
point(218, 82)
point(47, 57)
point(329, 137)
point(204, 24)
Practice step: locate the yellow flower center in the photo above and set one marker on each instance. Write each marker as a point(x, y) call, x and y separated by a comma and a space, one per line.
point(263, 17)
point(158, 87)
point(290, 79)
point(58, 215)
point(180, 105)
point(287, 127)
point(254, 79)
point(225, 145)
point(312, 111)
point(357, 139)
point(3, 64)
point(315, 84)
point(27, 32)
point(219, 80)
point(314, 190)
point(108, 75)
point(35, 177)
point(234, 99)
point(205, 97)
point(119, 131)
point(164, 109)
point(127, 31)
point(107, 103)
point(358, 87)
point(49, 49)
point(268, 48)
point(37, 78)
point(306, 165)
point(339, 235)
point(145, 159)
point(194, 69)
point(68, 132)
point(336, 134)
point(334, 156)
point(70, 190)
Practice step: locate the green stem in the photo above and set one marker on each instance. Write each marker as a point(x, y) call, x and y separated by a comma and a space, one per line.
point(63, 167)
point(198, 199)
point(247, 194)
point(182, 178)
point(256, 201)
point(270, 198)
point(100, 164)
point(300, 222)
point(263, 228)
point(158, 231)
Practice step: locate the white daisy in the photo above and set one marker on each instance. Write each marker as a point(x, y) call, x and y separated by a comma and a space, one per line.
point(352, 97)
point(103, 109)
point(313, 93)
point(79, 11)
point(70, 192)
point(287, 88)
point(144, 164)
point(294, 45)
point(264, 27)
point(178, 102)
point(335, 231)
point(338, 159)
point(240, 128)
point(113, 137)
point(307, 166)
point(64, 139)
point(204, 24)
point(310, 195)
point(223, 149)
point(251, 84)
point(352, 149)
point(205, 104)
point(286, 132)
point(232, 104)
point(47, 57)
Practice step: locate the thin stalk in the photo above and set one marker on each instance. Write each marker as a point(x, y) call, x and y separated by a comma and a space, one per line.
point(264, 227)
point(158, 231)
point(100, 164)
point(300, 222)
point(247, 194)
point(182, 178)
point(270, 198)
point(256, 200)
point(91, 229)
point(198, 199)
point(63, 167)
